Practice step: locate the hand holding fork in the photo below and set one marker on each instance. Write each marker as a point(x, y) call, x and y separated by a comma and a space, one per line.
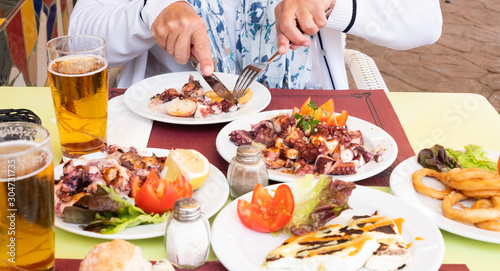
point(251, 71)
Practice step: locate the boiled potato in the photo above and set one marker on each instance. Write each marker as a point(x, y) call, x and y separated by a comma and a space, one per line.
point(243, 99)
point(180, 107)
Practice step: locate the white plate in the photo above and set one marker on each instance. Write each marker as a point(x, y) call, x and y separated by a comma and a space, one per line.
point(373, 136)
point(402, 186)
point(212, 195)
point(239, 248)
point(137, 97)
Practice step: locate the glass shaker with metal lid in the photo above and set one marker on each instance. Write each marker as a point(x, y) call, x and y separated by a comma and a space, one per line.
point(187, 236)
point(245, 170)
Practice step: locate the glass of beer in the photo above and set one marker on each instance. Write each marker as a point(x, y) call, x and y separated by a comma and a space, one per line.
point(26, 197)
point(78, 73)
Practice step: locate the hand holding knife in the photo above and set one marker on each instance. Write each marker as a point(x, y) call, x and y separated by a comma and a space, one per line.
point(215, 83)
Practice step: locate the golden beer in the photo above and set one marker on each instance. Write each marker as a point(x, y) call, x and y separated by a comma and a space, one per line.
point(27, 239)
point(79, 86)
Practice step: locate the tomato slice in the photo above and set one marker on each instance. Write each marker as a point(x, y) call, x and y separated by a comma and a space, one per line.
point(266, 213)
point(158, 195)
point(332, 120)
point(498, 165)
point(324, 111)
point(342, 118)
point(305, 109)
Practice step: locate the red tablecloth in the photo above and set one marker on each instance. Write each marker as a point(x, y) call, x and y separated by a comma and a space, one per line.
point(370, 105)
point(73, 264)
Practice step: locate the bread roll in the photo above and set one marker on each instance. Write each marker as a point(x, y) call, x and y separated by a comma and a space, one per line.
point(120, 255)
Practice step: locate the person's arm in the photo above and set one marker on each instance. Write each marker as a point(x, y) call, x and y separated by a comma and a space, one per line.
point(395, 24)
point(119, 22)
point(295, 19)
point(132, 27)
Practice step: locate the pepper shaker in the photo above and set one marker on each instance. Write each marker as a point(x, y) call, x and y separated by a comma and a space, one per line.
point(187, 236)
point(245, 170)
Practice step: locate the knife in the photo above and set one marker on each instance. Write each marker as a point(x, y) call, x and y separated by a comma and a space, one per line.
point(215, 83)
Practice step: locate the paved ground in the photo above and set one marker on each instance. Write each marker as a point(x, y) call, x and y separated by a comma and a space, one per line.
point(465, 59)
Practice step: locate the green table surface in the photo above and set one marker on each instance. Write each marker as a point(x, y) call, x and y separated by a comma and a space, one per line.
point(450, 119)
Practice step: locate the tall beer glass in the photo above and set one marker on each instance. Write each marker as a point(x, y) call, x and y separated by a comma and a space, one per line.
point(26, 197)
point(78, 73)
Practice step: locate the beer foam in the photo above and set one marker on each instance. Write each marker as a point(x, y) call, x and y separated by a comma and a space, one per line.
point(77, 65)
point(10, 167)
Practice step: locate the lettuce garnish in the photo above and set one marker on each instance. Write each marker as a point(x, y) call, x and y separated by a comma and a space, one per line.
point(445, 159)
point(317, 204)
point(107, 213)
point(474, 156)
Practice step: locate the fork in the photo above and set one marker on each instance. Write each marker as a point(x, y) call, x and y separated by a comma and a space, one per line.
point(251, 71)
point(248, 75)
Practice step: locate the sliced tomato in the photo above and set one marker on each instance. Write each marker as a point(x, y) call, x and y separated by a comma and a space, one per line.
point(324, 111)
point(332, 119)
point(158, 195)
point(342, 118)
point(266, 213)
point(338, 120)
point(305, 109)
point(498, 165)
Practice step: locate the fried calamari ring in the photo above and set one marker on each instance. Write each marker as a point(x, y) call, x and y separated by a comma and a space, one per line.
point(428, 191)
point(483, 193)
point(491, 225)
point(473, 179)
point(467, 214)
point(462, 174)
point(475, 184)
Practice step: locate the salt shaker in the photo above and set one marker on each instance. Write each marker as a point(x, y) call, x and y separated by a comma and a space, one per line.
point(187, 236)
point(245, 170)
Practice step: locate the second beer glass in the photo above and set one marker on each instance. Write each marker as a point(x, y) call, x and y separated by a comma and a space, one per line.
point(78, 73)
point(27, 233)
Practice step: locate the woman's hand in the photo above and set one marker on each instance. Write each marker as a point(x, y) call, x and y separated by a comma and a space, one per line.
point(294, 18)
point(177, 29)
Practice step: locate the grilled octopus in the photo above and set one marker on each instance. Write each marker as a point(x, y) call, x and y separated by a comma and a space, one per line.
point(326, 150)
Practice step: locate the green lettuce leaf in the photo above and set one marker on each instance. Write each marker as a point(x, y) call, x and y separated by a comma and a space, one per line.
point(317, 204)
point(111, 213)
point(474, 156)
point(113, 224)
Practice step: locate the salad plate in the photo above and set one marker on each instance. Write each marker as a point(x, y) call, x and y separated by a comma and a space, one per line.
point(374, 137)
point(402, 186)
point(137, 98)
point(240, 248)
point(212, 196)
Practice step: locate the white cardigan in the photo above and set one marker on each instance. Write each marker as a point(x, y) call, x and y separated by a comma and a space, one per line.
point(125, 25)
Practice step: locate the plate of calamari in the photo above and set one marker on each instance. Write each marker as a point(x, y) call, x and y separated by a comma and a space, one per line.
point(294, 144)
point(186, 98)
point(109, 194)
point(459, 189)
point(351, 240)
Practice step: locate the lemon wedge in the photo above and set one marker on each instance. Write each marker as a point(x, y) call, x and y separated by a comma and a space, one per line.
point(190, 163)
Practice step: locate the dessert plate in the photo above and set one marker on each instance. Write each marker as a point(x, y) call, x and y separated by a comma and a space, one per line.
point(240, 248)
